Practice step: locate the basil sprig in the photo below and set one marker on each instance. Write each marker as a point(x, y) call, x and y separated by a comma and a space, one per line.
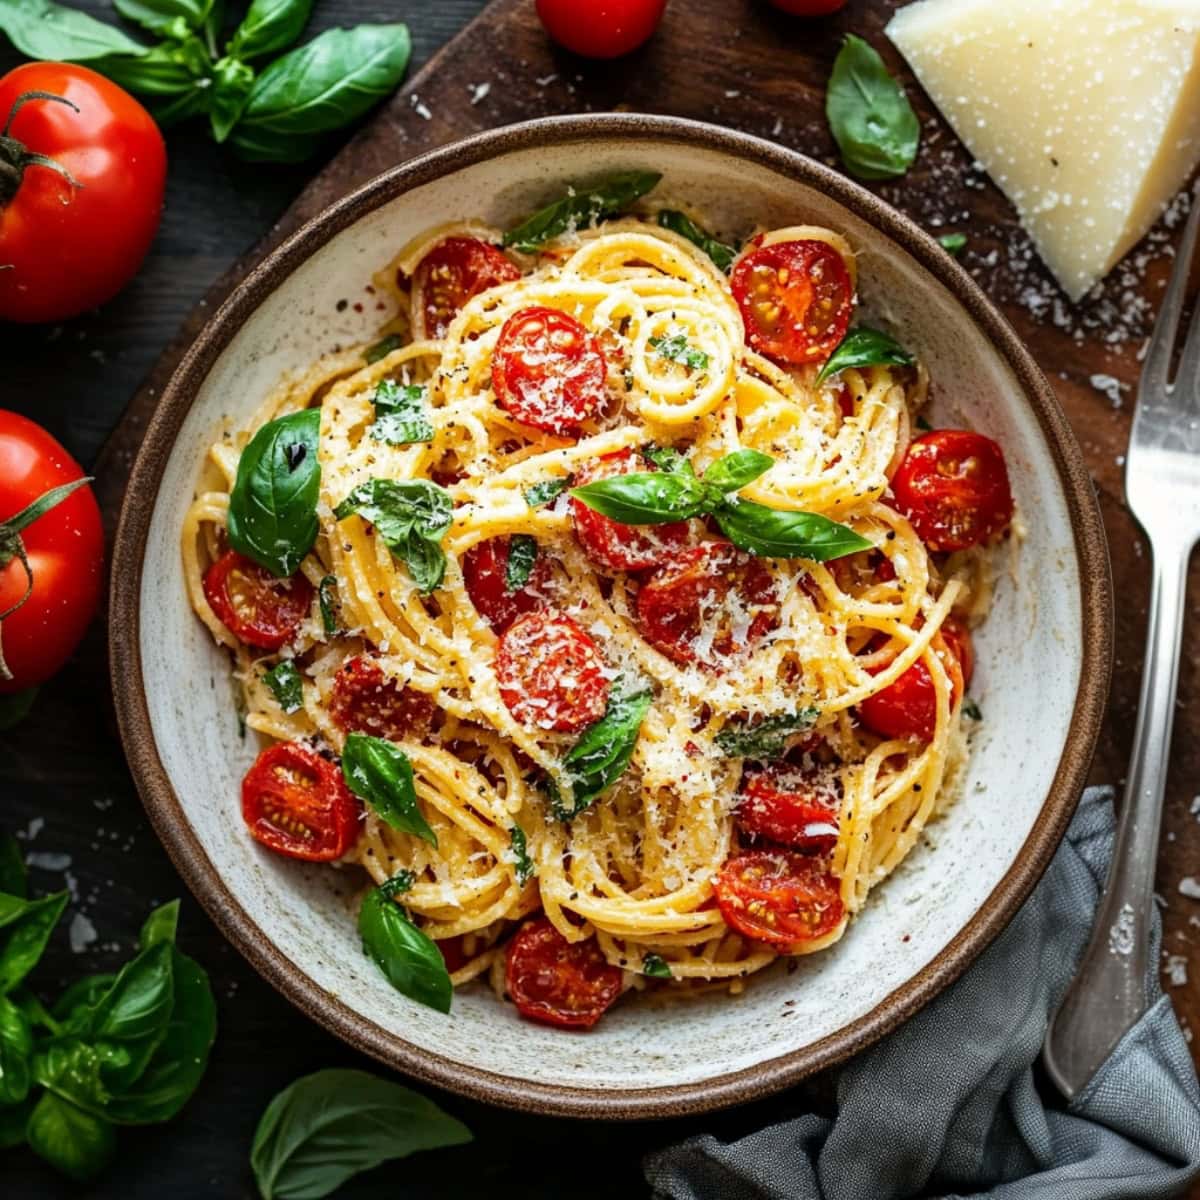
point(412, 516)
point(764, 739)
point(869, 115)
point(284, 681)
point(328, 602)
point(522, 556)
point(657, 498)
point(273, 505)
point(581, 209)
point(865, 348)
point(721, 254)
point(544, 492)
point(328, 1127)
point(408, 957)
point(401, 414)
point(380, 773)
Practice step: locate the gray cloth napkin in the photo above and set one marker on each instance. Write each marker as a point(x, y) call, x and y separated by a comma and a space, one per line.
point(948, 1105)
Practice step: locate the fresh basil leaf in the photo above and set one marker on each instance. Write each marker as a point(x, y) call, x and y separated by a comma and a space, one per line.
point(656, 967)
point(273, 505)
point(953, 243)
point(871, 119)
point(327, 598)
point(544, 492)
point(382, 348)
point(865, 348)
point(667, 458)
point(318, 87)
point(35, 1011)
point(25, 928)
point(676, 349)
point(13, 879)
point(736, 470)
point(779, 533)
point(169, 69)
point(426, 563)
point(399, 883)
point(721, 254)
point(74, 1068)
point(13, 1121)
point(649, 498)
point(232, 81)
point(16, 1053)
point(409, 958)
point(42, 29)
point(522, 556)
point(70, 1140)
point(526, 867)
point(72, 1007)
point(401, 414)
point(165, 17)
point(160, 925)
point(284, 681)
point(328, 1127)
point(269, 26)
point(766, 738)
point(602, 753)
point(380, 773)
point(582, 209)
point(182, 107)
point(971, 709)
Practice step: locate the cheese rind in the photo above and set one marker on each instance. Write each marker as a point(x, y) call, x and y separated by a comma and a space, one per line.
point(1086, 113)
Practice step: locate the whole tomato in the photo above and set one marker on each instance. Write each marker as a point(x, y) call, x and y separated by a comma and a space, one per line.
point(600, 28)
point(51, 554)
point(81, 190)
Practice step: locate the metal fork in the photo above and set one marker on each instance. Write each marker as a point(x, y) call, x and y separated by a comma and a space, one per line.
point(1162, 487)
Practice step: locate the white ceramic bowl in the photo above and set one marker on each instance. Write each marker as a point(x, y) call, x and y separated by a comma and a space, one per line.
point(1043, 655)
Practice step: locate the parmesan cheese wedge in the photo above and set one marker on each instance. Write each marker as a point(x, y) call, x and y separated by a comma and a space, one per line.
point(1086, 113)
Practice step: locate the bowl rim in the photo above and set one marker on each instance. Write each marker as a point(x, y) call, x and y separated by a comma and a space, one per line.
point(171, 824)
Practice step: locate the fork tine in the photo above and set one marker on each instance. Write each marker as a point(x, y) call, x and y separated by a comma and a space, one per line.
point(1162, 342)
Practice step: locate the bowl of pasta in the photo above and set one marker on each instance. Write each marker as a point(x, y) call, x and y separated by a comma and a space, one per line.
point(609, 619)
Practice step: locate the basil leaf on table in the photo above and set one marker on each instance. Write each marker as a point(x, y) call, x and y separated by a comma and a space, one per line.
point(273, 505)
point(865, 348)
point(677, 349)
point(72, 1006)
point(41, 29)
point(13, 879)
point(160, 926)
point(380, 773)
point(764, 739)
point(522, 556)
point(327, 600)
point(736, 470)
point(318, 87)
point(408, 957)
point(269, 26)
point(953, 243)
point(165, 17)
point(869, 115)
point(526, 867)
point(544, 492)
point(35, 1011)
point(169, 69)
point(401, 414)
point(284, 681)
point(656, 967)
point(334, 1124)
point(16, 1053)
point(581, 209)
point(779, 533)
point(721, 254)
point(72, 1141)
point(13, 1120)
point(25, 928)
point(232, 81)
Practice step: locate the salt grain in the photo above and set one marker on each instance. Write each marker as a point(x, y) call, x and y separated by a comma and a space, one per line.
point(479, 91)
point(45, 860)
point(1176, 970)
point(1190, 887)
point(81, 932)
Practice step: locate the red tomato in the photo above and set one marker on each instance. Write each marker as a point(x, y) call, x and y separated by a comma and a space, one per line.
point(258, 608)
point(450, 274)
point(809, 8)
point(953, 487)
point(295, 802)
point(600, 28)
point(485, 569)
point(568, 984)
point(547, 370)
point(779, 897)
point(365, 700)
point(550, 673)
point(65, 550)
point(712, 602)
point(71, 245)
point(791, 806)
point(855, 572)
point(796, 300)
point(610, 544)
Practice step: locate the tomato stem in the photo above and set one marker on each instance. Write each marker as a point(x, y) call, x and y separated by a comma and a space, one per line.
point(14, 158)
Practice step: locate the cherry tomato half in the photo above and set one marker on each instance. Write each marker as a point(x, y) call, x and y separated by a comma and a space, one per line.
point(568, 984)
point(365, 700)
point(609, 543)
point(454, 271)
point(791, 806)
point(64, 548)
point(796, 300)
point(70, 241)
point(550, 673)
point(485, 570)
point(779, 897)
point(295, 802)
point(547, 370)
point(953, 486)
point(258, 608)
point(711, 603)
point(600, 28)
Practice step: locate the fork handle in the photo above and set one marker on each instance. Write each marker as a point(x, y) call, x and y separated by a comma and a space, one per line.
point(1108, 993)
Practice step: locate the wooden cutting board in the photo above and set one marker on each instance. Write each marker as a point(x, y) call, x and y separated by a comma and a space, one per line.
point(742, 64)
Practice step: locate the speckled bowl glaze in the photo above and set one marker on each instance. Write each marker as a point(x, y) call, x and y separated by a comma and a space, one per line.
point(1042, 680)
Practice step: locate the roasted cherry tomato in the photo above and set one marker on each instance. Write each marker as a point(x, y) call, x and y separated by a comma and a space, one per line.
point(712, 602)
point(568, 984)
point(550, 673)
point(953, 487)
point(853, 573)
point(46, 601)
point(485, 570)
point(295, 802)
point(255, 606)
point(907, 708)
point(76, 223)
point(779, 897)
point(809, 8)
point(547, 370)
point(600, 28)
point(452, 273)
point(364, 700)
point(792, 806)
point(610, 544)
point(453, 954)
point(796, 300)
